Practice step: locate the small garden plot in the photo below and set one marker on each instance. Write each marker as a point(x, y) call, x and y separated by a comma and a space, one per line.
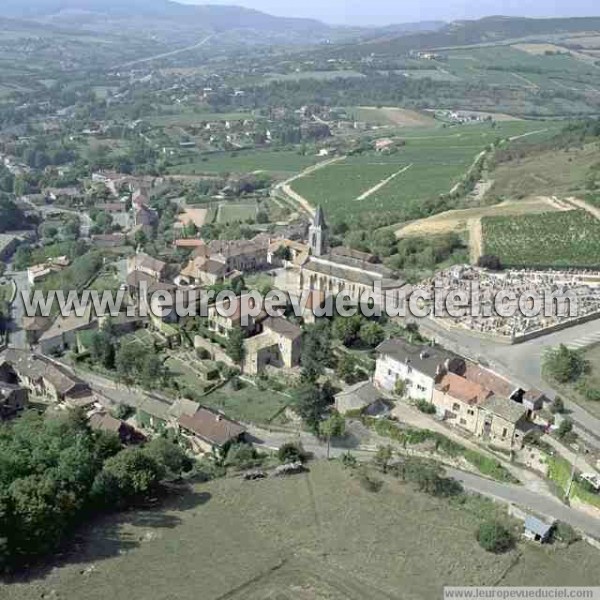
point(248, 404)
point(563, 239)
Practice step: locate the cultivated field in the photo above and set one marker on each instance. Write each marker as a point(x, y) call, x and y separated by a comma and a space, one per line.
point(313, 536)
point(284, 161)
point(566, 239)
point(438, 158)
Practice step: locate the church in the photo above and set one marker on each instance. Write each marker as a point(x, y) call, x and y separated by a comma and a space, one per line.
point(330, 271)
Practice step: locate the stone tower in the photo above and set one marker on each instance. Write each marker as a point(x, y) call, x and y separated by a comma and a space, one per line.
point(317, 234)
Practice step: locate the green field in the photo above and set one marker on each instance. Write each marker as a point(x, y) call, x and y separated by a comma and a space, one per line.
point(557, 239)
point(320, 75)
point(284, 161)
point(319, 535)
point(248, 404)
point(235, 213)
point(438, 158)
point(190, 117)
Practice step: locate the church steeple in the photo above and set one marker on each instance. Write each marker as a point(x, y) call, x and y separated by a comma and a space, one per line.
point(317, 234)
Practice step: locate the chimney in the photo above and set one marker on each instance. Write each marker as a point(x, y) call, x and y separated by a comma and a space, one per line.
point(424, 354)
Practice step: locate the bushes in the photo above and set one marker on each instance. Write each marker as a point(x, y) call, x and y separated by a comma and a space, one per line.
point(291, 452)
point(564, 533)
point(564, 365)
point(425, 407)
point(494, 537)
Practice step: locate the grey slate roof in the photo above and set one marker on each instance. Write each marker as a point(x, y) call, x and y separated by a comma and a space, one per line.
point(424, 359)
point(504, 408)
point(538, 527)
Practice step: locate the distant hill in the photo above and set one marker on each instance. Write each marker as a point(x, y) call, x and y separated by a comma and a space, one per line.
point(487, 30)
point(217, 18)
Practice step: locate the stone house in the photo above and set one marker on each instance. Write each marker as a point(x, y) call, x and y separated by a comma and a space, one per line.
point(357, 397)
point(228, 314)
point(502, 422)
point(279, 345)
point(44, 378)
point(147, 264)
point(457, 399)
point(62, 334)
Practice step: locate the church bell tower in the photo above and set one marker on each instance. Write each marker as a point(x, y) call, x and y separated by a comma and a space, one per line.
point(317, 234)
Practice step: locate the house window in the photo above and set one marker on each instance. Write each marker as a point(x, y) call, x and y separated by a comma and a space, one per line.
point(456, 407)
point(504, 432)
point(470, 412)
point(463, 422)
point(390, 372)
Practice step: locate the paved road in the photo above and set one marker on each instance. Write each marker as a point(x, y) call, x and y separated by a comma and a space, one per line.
point(541, 504)
point(512, 494)
point(18, 338)
point(164, 54)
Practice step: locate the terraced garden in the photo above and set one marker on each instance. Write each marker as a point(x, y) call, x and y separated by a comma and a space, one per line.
point(559, 239)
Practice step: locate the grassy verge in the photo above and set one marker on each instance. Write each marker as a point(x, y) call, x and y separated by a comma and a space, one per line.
point(487, 466)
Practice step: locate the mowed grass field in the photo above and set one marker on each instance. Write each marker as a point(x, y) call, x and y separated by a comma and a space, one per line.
point(318, 535)
point(558, 239)
point(436, 158)
point(236, 212)
point(286, 162)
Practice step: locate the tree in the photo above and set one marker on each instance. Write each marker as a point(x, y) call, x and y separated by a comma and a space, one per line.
point(102, 349)
point(564, 365)
point(334, 426)
point(346, 329)
point(372, 333)
point(235, 345)
point(382, 457)
point(128, 362)
point(169, 455)
point(130, 474)
point(494, 537)
point(565, 428)
point(346, 367)
point(316, 351)
point(558, 406)
point(140, 238)
point(311, 401)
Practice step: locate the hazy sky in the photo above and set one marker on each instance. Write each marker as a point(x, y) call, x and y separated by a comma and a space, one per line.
point(382, 12)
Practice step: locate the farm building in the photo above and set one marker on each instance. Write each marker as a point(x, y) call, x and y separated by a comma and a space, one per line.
point(537, 530)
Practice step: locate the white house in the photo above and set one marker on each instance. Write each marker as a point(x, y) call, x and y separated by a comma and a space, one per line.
point(419, 367)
